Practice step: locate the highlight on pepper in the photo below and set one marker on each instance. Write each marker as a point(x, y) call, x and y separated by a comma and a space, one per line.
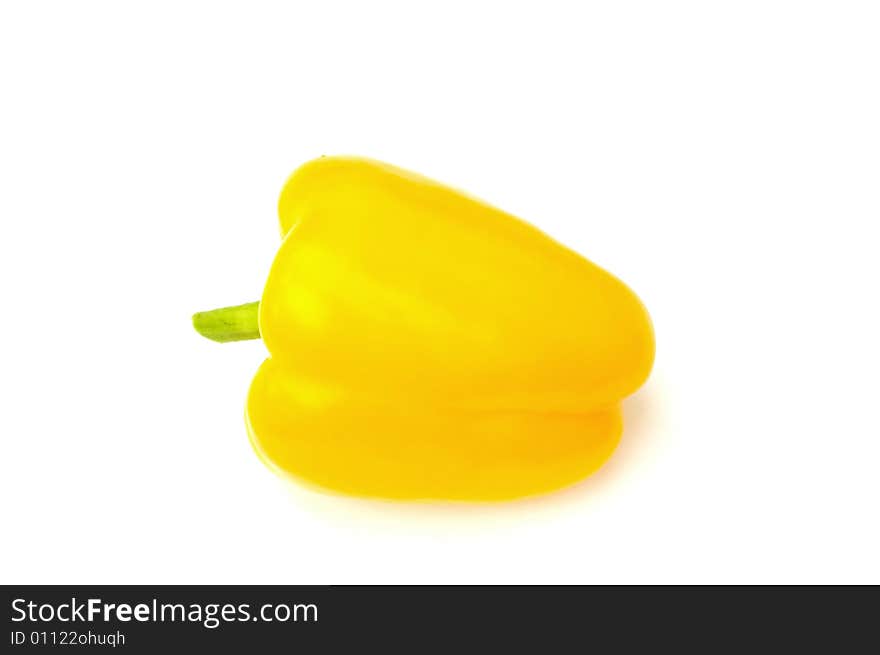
point(425, 345)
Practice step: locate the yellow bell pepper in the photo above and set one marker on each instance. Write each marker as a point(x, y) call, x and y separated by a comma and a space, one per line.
point(425, 345)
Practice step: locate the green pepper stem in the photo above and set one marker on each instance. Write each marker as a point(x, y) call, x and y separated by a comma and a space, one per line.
point(237, 323)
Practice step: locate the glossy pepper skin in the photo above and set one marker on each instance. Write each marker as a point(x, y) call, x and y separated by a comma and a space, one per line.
point(424, 345)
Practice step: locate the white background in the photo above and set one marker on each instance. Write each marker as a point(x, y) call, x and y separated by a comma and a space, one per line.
point(722, 158)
